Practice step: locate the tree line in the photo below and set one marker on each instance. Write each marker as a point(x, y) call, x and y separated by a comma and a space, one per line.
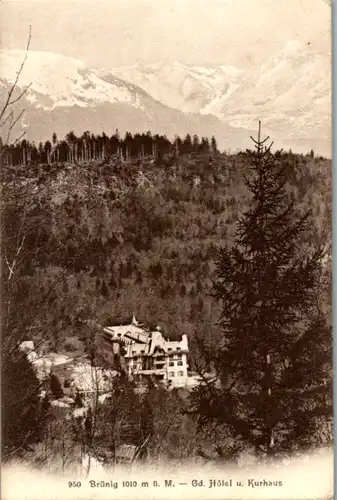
point(88, 147)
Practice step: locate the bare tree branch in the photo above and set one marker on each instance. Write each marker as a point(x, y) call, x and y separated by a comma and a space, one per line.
point(14, 85)
point(10, 100)
point(12, 125)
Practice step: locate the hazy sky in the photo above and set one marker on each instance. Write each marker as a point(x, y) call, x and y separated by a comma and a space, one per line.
point(109, 33)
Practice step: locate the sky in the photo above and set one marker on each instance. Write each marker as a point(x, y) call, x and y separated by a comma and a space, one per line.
point(112, 33)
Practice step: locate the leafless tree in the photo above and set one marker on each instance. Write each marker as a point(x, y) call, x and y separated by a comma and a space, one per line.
point(8, 119)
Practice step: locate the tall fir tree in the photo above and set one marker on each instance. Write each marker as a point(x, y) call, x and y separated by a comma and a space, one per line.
point(214, 145)
point(272, 389)
point(56, 386)
point(22, 416)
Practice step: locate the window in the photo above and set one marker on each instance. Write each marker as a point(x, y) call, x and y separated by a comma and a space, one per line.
point(119, 334)
point(179, 356)
point(178, 348)
point(142, 351)
point(169, 349)
point(180, 363)
point(180, 374)
point(171, 363)
point(171, 374)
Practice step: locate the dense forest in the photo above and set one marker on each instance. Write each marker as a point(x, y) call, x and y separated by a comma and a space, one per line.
point(89, 147)
point(96, 229)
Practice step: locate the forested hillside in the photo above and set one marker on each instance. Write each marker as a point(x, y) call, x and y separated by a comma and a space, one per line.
point(166, 249)
point(95, 230)
point(102, 239)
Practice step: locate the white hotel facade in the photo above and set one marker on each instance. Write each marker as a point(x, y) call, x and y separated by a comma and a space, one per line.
point(149, 354)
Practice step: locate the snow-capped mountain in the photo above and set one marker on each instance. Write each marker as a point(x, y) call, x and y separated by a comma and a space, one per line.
point(189, 88)
point(64, 81)
point(65, 95)
point(291, 90)
point(290, 93)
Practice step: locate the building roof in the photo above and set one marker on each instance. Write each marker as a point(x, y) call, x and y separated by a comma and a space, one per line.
point(132, 332)
point(142, 341)
point(168, 346)
point(27, 346)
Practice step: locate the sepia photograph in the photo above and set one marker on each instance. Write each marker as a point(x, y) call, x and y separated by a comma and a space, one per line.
point(166, 249)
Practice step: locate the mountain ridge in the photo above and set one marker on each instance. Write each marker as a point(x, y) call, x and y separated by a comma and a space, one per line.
point(223, 101)
point(289, 92)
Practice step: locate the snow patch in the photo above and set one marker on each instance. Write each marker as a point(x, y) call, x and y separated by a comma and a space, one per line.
point(65, 81)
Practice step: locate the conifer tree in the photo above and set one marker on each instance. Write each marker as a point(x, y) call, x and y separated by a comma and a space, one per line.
point(187, 144)
point(196, 143)
point(272, 389)
point(21, 418)
point(78, 402)
point(104, 290)
point(214, 145)
point(55, 386)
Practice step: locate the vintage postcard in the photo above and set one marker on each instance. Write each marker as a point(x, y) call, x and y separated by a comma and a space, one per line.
point(166, 261)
